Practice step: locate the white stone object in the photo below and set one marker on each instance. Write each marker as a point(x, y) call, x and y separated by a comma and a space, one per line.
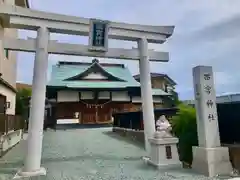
point(163, 128)
point(82, 50)
point(209, 158)
point(146, 93)
point(24, 18)
point(9, 140)
point(159, 156)
point(35, 130)
point(163, 145)
point(22, 174)
point(76, 114)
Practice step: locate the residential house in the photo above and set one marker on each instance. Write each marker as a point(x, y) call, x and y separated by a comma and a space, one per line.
point(162, 82)
point(8, 65)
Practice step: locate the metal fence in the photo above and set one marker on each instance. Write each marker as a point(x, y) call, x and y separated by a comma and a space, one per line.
point(10, 123)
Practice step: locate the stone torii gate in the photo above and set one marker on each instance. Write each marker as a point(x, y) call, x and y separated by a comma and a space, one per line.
point(98, 32)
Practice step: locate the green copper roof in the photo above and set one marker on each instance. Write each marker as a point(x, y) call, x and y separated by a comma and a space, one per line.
point(63, 71)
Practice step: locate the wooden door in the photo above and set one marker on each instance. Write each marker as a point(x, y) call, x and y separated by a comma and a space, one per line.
point(2, 104)
point(89, 115)
point(104, 114)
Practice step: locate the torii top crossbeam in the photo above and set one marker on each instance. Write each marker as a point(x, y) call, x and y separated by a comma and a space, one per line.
point(23, 18)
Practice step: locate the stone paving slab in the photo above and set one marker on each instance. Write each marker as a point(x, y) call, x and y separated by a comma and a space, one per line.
point(91, 154)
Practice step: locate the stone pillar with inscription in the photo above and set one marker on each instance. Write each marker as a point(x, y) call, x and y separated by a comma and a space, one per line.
point(209, 157)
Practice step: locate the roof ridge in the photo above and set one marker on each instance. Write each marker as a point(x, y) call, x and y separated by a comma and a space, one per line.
point(95, 63)
point(88, 64)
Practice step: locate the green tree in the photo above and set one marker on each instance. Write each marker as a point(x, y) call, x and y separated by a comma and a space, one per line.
point(185, 128)
point(172, 100)
point(175, 97)
point(22, 100)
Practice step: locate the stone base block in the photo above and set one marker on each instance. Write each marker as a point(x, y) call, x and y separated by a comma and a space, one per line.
point(148, 160)
point(163, 152)
point(211, 161)
point(21, 174)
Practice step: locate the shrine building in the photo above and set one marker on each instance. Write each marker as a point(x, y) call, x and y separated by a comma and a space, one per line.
point(89, 93)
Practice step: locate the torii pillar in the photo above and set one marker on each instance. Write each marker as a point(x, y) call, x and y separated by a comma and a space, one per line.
point(146, 93)
point(32, 165)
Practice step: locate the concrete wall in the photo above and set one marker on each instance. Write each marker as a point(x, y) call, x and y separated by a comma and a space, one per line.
point(11, 97)
point(130, 133)
point(9, 140)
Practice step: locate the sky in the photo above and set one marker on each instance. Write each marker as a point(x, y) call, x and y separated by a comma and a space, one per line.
point(206, 33)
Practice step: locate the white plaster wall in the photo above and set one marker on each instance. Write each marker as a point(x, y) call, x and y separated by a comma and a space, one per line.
point(95, 76)
point(87, 95)
point(136, 99)
point(73, 96)
point(11, 97)
point(120, 96)
point(67, 121)
point(104, 95)
point(139, 100)
point(67, 96)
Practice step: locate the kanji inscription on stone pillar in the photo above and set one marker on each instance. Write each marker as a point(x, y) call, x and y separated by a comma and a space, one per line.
point(205, 101)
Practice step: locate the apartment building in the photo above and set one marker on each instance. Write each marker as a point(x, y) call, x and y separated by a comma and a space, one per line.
point(8, 65)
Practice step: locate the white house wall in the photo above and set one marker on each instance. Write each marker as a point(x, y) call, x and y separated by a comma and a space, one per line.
point(67, 96)
point(10, 97)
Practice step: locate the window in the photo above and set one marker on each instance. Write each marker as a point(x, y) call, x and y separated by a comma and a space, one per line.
point(8, 105)
point(166, 88)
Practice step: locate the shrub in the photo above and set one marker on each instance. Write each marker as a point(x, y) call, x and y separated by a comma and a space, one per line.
point(21, 105)
point(185, 128)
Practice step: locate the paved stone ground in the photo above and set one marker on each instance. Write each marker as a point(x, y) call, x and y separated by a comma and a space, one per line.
point(95, 154)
